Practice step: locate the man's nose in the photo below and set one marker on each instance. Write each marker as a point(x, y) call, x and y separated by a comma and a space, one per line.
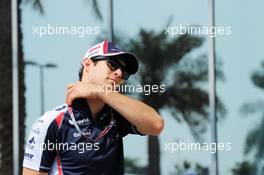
point(118, 72)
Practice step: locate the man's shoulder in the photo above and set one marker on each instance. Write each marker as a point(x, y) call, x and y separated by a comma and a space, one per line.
point(43, 131)
point(51, 115)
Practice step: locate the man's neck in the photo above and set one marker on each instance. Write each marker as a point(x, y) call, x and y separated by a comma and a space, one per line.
point(95, 106)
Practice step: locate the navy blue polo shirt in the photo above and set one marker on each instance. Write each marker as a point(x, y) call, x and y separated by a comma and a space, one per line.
point(55, 146)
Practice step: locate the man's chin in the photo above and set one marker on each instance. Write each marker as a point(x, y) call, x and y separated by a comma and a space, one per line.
point(111, 83)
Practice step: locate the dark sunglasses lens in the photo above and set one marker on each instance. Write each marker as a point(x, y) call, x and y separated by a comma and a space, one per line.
point(114, 65)
point(125, 75)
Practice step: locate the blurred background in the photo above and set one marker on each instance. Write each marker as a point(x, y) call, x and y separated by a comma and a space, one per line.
point(49, 61)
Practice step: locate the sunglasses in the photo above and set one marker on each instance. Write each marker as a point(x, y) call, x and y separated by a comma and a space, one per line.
point(113, 64)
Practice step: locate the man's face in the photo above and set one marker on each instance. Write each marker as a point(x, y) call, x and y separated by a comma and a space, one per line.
point(99, 73)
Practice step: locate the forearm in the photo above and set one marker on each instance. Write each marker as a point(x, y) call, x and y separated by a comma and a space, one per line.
point(144, 117)
point(27, 171)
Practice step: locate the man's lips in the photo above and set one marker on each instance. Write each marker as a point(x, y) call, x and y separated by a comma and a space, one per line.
point(114, 80)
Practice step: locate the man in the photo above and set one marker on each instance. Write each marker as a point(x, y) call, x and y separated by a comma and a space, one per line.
point(84, 136)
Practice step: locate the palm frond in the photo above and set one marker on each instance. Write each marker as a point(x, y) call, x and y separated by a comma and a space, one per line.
point(96, 9)
point(258, 77)
point(252, 107)
point(37, 5)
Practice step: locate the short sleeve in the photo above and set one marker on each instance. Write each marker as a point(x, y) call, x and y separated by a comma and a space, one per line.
point(125, 127)
point(40, 151)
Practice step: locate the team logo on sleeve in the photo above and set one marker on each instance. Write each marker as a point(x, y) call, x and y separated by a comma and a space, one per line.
point(31, 143)
point(28, 156)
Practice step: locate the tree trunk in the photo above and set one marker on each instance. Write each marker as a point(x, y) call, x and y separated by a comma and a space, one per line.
point(22, 100)
point(153, 141)
point(6, 143)
point(6, 154)
point(154, 156)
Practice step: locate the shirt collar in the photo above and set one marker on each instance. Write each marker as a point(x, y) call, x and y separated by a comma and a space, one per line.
point(80, 104)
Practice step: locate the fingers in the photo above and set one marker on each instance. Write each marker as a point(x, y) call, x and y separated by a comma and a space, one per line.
point(80, 89)
point(68, 101)
point(70, 90)
point(70, 94)
point(70, 85)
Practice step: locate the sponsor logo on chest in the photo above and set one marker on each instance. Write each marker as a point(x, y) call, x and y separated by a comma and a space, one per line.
point(80, 122)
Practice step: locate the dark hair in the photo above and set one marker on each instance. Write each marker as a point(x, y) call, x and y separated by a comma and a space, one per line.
point(80, 72)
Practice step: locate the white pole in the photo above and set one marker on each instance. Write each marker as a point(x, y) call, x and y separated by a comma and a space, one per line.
point(212, 89)
point(111, 21)
point(15, 87)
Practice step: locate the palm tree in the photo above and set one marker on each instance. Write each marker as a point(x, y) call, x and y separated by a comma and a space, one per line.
point(187, 165)
point(164, 62)
point(244, 168)
point(131, 167)
point(6, 151)
point(255, 138)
